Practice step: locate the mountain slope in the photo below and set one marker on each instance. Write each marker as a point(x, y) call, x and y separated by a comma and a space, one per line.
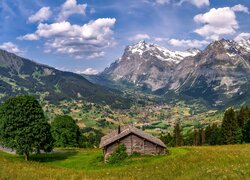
point(22, 76)
point(146, 65)
point(220, 74)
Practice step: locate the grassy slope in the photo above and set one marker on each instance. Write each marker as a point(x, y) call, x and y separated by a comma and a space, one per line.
point(218, 162)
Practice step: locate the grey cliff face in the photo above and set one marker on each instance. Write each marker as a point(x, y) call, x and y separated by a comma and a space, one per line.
point(147, 64)
point(220, 72)
point(217, 74)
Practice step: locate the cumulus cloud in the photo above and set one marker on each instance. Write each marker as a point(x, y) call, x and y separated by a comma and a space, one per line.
point(42, 15)
point(217, 22)
point(88, 71)
point(80, 41)
point(30, 37)
point(187, 43)
point(11, 47)
point(242, 36)
point(139, 37)
point(240, 8)
point(69, 8)
point(197, 3)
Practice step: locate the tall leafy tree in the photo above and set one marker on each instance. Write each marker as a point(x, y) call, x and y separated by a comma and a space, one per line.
point(23, 126)
point(229, 127)
point(66, 132)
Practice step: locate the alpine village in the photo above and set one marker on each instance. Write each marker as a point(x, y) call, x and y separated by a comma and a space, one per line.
point(135, 89)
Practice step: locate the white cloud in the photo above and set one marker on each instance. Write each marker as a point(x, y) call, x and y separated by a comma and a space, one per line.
point(96, 55)
point(156, 2)
point(197, 3)
point(86, 41)
point(139, 37)
point(29, 37)
point(161, 2)
point(159, 39)
point(88, 71)
point(42, 15)
point(242, 36)
point(240, 8)
point(69, 8)
point(11, 47)
point(217, 22)
point(187, 43)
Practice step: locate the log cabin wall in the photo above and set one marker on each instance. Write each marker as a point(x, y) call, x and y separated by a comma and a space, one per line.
point(134, 143)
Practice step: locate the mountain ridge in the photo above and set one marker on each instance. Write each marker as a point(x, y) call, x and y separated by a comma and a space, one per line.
point(21, 76)
point(217, 74)
point(146, 65)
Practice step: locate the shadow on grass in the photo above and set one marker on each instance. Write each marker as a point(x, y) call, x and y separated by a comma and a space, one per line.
point(51, 157)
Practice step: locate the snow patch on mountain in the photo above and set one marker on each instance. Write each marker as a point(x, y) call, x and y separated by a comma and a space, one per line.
point(161, 53)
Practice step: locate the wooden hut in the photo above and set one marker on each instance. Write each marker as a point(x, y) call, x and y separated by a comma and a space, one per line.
point(134, 139)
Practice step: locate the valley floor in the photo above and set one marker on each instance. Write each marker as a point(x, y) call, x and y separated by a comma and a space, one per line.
point(207, 162)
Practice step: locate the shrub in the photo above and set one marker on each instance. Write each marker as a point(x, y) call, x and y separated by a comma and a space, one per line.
point(118, 155)
point(135, 154)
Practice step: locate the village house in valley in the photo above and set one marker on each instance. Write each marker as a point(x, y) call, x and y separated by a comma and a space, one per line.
point(134, 139)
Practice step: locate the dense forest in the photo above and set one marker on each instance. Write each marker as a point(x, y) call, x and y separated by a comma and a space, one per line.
point(234, 129)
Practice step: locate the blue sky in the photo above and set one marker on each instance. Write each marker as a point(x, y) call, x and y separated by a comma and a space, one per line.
point(88, 35)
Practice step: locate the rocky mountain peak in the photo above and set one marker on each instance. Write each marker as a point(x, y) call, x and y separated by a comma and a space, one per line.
point(193, 51)
point(147, 64)
point(245, 44)
point(146, 50)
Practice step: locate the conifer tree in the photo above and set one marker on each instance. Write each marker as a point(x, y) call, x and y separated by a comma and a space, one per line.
point(167, 139)
point(215, 135)
point(246, 132)
point(207, 134)
point(178, 138)
point(243, 115)
point(203, 136)
point(196, 137)
point(229, 127)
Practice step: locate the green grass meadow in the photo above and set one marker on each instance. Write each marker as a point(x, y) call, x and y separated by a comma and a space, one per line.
point(207, 162)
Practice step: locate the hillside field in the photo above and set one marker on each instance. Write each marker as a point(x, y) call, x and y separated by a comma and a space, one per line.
point(207, 162)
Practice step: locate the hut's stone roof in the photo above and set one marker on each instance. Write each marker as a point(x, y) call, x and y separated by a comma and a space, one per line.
point(125, 130)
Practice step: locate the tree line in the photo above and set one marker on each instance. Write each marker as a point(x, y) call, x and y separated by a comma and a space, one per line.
point(24, 128)
point(234, 129)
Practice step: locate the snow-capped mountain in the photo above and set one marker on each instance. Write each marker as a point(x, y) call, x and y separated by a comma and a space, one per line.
point(147, 64)
point(218, 74)
point(245, 43)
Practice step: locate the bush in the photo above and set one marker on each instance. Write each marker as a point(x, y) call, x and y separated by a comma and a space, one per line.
point(118, 155)
point(135, 154)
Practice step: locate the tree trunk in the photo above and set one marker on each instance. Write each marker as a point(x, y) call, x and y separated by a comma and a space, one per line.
point(26, 156)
